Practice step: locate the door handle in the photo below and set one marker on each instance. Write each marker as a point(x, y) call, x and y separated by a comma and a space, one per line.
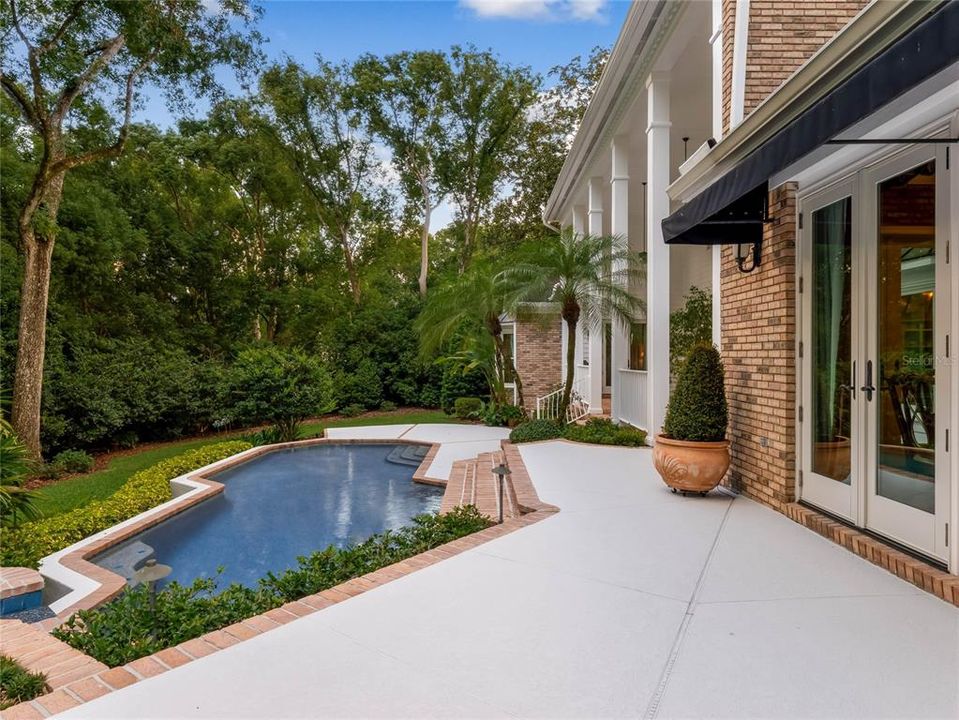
point(868, 388)
point(851, 387)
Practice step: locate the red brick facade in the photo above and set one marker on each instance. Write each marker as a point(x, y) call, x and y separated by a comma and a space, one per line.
point(759, 350)
point(782, 36)
point(539, 352)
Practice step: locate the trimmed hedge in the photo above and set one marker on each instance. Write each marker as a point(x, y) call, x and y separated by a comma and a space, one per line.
point(598, 431)
point(467, 408)
point(536, 430)
point(697, 411)
point(27, 544)
point(17, 684)
point(128, 627)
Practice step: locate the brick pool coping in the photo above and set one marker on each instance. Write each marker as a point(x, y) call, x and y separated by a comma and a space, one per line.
point(103, 681)
point(110, 585)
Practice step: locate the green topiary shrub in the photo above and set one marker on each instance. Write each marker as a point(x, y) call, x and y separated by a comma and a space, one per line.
point(25, 545)
point(387, 406)
point(697, 410)
point(601, 431)
point(73, 461)
point(129, 627)
point(468, 408)
point(17, 684)
point(536, 430)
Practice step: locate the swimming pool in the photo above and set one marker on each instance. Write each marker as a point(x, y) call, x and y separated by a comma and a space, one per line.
point(281, 505)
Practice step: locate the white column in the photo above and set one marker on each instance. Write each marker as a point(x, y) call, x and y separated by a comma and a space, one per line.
point(579, 220)
point(716, 282)
point(716, 41)
point(579, 227)
point(595, 227)
point(619, 226)
point(657, 277)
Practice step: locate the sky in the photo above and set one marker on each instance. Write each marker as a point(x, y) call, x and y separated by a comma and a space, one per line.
point(537, 33)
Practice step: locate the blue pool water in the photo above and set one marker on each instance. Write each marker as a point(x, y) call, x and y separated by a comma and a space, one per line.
point(281, 505)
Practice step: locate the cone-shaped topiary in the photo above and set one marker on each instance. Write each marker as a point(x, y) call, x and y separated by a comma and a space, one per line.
point(697, 409)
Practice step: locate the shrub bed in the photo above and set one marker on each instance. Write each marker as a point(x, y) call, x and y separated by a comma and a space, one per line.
point(128, 628)
point(598, 431)
point(17, 684)
point(25, 545)
point(468, 408)
point(536, 430)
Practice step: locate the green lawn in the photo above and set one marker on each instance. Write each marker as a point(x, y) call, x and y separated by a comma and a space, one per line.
point(78, 491)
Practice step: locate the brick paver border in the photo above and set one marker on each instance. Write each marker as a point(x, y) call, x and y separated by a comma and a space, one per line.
point(919, 573)
point(103, 681)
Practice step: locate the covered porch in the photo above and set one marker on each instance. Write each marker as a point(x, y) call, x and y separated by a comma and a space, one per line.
point(655, 106)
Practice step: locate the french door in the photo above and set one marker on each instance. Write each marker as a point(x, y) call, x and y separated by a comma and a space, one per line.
point(876, 313)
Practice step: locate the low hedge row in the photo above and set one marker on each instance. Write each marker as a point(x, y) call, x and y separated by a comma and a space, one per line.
point(128, 627)
point(27, 544)
point(599, 431)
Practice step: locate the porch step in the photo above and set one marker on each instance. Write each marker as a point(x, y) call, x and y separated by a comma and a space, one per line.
point(472, 482)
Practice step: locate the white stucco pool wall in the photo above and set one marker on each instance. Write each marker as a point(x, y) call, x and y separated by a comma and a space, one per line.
point(457, 442)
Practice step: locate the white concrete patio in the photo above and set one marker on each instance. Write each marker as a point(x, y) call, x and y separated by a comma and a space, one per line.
point(630, 602)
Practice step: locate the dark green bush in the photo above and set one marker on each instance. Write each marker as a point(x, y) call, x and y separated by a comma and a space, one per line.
point(281, 387)
point(352, 410)
point(468, 408)
point(536, 430)
point(457, 384)
point(361, 387)
point(697, 410)
point(266, 436)
point(127, 628)
point(17, 684)
point(73, 461)
point(503, 415)
point(601, 431)
point(387, 406)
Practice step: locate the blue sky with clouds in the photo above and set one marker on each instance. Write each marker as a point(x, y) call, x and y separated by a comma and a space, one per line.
point(537, 33)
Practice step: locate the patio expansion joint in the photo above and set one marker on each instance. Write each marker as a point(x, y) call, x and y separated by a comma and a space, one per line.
point(652, 709)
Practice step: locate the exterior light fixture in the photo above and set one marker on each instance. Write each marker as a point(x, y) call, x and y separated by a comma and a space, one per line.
point(151, 573)
point(742, 256)
point(501, 471)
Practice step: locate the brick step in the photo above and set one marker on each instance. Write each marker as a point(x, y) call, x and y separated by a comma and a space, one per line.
point(459, 487)
point(38, 651)
point(472, 482)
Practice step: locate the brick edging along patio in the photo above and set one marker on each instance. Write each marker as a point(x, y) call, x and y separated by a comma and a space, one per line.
point(103, 681)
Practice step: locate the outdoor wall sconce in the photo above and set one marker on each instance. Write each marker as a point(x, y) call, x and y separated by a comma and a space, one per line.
point(742, 256)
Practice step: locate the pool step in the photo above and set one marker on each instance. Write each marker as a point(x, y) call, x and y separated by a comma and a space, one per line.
point(411, 455)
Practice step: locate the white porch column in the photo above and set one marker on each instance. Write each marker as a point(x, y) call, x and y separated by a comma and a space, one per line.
point(619, 226)
point(595, 227)
point(579, 227)
point(657, 276)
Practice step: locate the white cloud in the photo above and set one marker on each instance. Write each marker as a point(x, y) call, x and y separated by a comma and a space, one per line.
point(576, 10)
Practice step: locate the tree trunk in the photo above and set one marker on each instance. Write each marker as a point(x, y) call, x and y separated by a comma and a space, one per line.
point(350, 267)
point(34, 295)
point(425, 237)
point(570, 368)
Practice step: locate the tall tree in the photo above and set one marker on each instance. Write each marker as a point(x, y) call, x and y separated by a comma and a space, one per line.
point(321, 128)
point(588, 277)
point(68, 64)
point(489, 104)
point(405, 99)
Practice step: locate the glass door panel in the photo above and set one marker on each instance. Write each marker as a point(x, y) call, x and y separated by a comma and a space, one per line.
point(905, 411)
point(831, 341)
point(829, 363)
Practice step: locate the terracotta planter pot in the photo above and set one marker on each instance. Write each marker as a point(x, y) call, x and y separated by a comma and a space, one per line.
point(691, 466)
point(832, 458)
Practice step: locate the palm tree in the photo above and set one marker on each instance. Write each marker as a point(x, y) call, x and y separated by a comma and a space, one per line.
point(587, 276)
point(475, 303)
point(16, 502)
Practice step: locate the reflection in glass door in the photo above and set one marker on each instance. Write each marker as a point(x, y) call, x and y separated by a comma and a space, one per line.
point(906, 408)
point(829, 364)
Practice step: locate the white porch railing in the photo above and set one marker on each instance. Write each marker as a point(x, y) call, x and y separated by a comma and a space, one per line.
point(548, 406)
point(630, 400)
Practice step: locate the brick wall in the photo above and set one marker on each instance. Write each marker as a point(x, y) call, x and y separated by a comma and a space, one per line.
point(759, 351)
point(538, 357)
point(782, 36)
